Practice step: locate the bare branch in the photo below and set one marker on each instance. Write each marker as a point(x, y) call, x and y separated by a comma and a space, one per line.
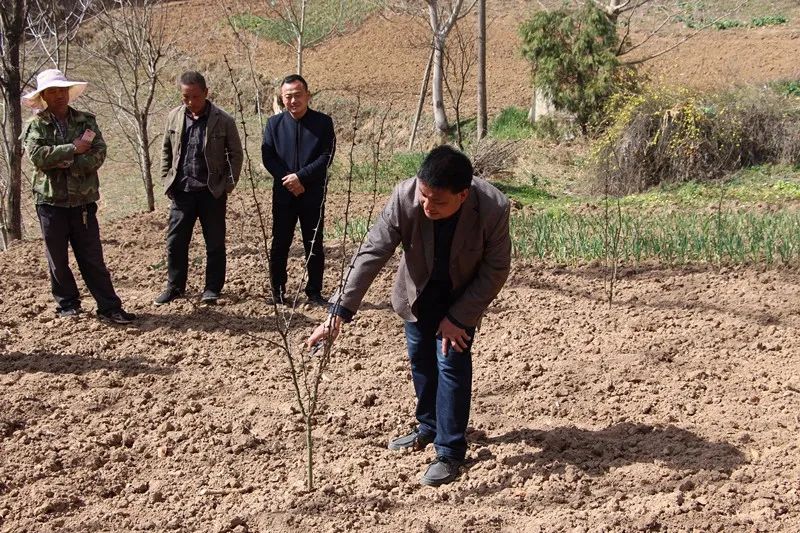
point(682, 41)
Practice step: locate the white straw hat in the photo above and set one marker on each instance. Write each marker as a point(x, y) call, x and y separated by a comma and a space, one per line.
point(52, 78)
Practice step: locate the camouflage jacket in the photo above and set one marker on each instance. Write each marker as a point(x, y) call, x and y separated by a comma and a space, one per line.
point(61, 177)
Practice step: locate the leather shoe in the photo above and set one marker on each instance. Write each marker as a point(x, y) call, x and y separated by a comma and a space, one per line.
point(169, 294)
point(440, 472)
point(209, 297)
point(415, 441)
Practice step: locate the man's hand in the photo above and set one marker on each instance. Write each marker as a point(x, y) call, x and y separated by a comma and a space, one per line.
point(293, 184)
point(326, 332)
point(81, 146)
point(452, 336)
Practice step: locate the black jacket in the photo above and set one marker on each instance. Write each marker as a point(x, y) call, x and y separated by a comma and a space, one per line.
point(305, 147)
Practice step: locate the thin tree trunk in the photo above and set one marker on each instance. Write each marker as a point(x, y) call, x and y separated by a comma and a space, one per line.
point(439, 114)
point(145, 163)
point(458, 128)
point(14, 130)
point(300, 55)
point(301, 37)
point(422, 92)
point(309, 455)
point(482, 113)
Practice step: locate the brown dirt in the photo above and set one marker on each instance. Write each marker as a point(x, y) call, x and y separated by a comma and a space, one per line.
point(673, 410)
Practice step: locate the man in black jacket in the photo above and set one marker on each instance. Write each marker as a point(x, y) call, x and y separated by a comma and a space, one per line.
point(297, 150)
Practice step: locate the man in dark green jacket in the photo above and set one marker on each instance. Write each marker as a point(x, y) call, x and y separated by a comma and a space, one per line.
point(200, 164)
point(66, 149)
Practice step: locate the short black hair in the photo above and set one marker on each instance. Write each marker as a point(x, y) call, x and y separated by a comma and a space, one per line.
point(291, 78)
point(192, 77)
point(446, 168)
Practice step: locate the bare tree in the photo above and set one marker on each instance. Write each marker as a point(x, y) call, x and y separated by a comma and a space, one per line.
point(53, 25)
point(441, 16)
point(307, 23)
point(131, 48)
point(459, 59)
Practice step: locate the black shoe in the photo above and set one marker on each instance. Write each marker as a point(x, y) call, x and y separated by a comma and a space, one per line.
point(117, 316)
point(440, 472)
point(414, 441)
point(68, 312)
point(167, 296)
point(209, 297)
point(317, 299)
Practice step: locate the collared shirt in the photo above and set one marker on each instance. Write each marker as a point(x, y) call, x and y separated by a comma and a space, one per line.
point(192, 169)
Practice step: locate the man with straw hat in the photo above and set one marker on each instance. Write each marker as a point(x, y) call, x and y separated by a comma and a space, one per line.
point(66, 149)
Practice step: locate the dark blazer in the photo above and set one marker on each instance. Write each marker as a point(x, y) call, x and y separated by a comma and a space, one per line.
point(480, 256)
point(222, 149)
point(305, 147)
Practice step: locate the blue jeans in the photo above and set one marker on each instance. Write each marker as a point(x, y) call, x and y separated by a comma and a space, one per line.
point(443, 383)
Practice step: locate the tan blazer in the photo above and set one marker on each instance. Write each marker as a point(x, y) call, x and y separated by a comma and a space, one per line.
point(222, 149)
point(480, 257)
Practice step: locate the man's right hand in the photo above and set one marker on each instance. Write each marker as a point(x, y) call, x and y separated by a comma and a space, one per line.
point(293, 184)
point(326, 332)
point(81, 146)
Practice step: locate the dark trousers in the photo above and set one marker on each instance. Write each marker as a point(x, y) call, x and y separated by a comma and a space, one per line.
point(308, 209)
point(186, 208)
point(77, 227)
point(442, 382)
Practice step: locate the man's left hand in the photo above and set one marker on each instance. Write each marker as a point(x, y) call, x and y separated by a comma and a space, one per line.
point(452, 336)
point(293, 184)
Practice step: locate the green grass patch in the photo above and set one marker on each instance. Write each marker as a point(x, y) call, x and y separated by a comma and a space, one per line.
point(787, 87)
point(770, 184)
point(675, 238)
point(511, 124)
point(402, 165)
point(525, 194)
point(726, 24)
point(324, 18)
point(768, 20)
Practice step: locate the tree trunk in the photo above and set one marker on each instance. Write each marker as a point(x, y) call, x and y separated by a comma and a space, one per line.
point(301, 37)
point(299, 55)
point(145, 163)
point(439, 115)
point(482, 113)
point(13, 206)
point(422, 92)
point(13, 25)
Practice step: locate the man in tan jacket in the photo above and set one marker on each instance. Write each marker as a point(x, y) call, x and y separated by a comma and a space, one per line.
point(453, 228)
point(200, 164)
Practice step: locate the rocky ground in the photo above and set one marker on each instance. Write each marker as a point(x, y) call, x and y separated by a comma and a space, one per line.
point(674, 409)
